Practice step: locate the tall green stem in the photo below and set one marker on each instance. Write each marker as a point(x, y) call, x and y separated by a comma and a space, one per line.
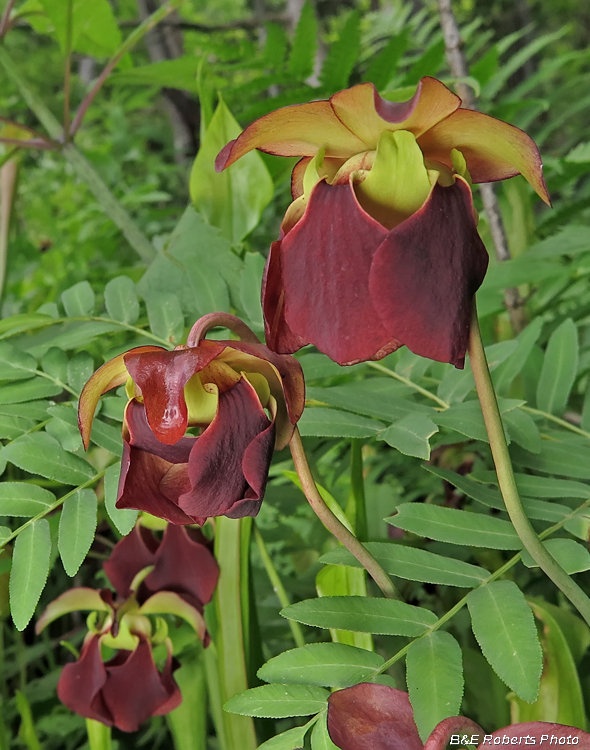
point(357, 489)
point(99, 735)
point(506, 480)
point(333, 525)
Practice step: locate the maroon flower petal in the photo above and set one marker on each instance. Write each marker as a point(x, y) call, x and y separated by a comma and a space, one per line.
point(141, 436)
point(169, 683)
point(443, 731)
point(326, 259)
point(143, 485)
point(539, 730)
point(134, 552)
point(185, 566)
point(161, 376)
point(425, 273)
point(277, 333)
point(134, 690)
point(372, 717)
point(216, 465)
point(80, 684)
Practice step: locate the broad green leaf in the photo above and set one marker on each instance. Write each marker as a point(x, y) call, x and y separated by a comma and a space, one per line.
point(66, 435)
point(492, 498)
point(94, 28)
point(26, 733)
point(165, 316)
point(305, 41)
point(123, 518)
point(559, 369)
point(39, 453)
point(362, 614)
point(102, 434)
point(320, 739)
point(77, 526)
point(410, 435)
point(572, 556)
point(80, 369)
point(24, 499)
point(279, 701)
point(35, 410)
point(15, 364)
point(336, 580)
point(250, 283)
point(322, 422)
point(317, 366)
point(55, 363)
point(434, 673)
point(121, 300)
point(568, 458)
point(467, 418)
point(506, 372)
point(455, 526)
point(78, 300)
point(197, 266)
point(414, 564)
point(12, 427)
point(535, 486)
point(24, 322)
point(560, 695)
point(234, 199)
point(30, 568)
point(28, 390)
point(67, 336)
point(323, 664)
point(180, 73)
point(523, 430)
point(188, 722)
point(504, 627)
point(292, 739)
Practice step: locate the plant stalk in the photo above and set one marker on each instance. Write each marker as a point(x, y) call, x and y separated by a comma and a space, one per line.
point(346, 537)
point(99, 735)
point(505, 474)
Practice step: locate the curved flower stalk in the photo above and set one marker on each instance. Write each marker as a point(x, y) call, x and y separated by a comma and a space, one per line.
point(380, 247)
point(201, 423)
point(378, 717)
point(177, 576)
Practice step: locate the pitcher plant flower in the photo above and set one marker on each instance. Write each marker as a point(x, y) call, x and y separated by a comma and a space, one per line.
point(378, 717)
point(174, 576)
point(201, 422)
point(380, 248)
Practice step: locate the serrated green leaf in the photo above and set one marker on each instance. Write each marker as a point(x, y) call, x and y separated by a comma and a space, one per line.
point(102, 434)
point(77, 527)
point(28, 390)
point(567, 459)
point(508, 370)
point(455, 526)
point(361, 614)
point(121, 300)
point(428, 64)
point(292, 739)
point(411, 435)
point(123, 518)
point(383, 65)
point(234, 199)
point(94, 28)
point(535, 486)
point(414, 564)
point(322, 664)
point(305, 41)
point(560, 366)
point(279, 701)
point(342, 55)
point(55, 363)
point(523, 430)
point(24, 499)
point(39, 453)
point(504, 627)
point(30, 568)
point(78, 300)
point(15, 364)
point(165, 316)
point(369, 397)
point(320, 739)
point(322, 422)
point(572, 556)
point(80, 369)
point(434, 673)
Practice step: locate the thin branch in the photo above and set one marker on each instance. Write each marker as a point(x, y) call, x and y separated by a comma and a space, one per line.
point(127, 45)
point(459, 69)
point(246, 23)
point(68, 70)
point(33, 143)
point(5, 22)
point(30, 130)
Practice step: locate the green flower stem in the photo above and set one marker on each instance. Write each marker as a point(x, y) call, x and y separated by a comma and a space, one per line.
point(357, 489)
point(52, 507)
point(99, 735)
point(277, 585)
point(506, 480)
point(492, 577)
point(347, 538)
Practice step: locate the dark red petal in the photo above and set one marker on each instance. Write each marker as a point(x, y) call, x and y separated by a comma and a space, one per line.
point(278, 335)
point(134, 691)
point(216, 467)
point(141, 436)
point(326, 259)
point(80, 684)
point(443, 731)
point(372, 717)
point(142, 485)
point(537, 730)
point(133, 553)
point(184, 566)
point(161, 377)
point(425, 273)
point(169, 683)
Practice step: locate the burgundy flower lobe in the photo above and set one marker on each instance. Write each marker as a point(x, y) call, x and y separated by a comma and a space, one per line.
point(80, 684)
